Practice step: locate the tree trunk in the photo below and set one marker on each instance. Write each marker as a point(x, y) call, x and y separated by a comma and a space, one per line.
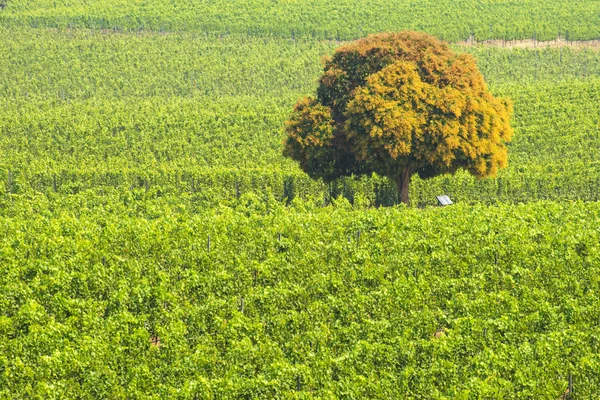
point(402, 184)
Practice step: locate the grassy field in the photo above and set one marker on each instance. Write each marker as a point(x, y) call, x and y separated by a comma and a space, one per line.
point(156, 244)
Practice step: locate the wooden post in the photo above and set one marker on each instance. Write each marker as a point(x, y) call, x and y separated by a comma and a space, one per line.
point(570, 396)
point(9, 187)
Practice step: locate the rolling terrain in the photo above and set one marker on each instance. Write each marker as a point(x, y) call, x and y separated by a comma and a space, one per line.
point(156, 244)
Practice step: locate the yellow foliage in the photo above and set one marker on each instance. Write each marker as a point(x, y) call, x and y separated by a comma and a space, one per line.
point(398, 101)
point(442, 122)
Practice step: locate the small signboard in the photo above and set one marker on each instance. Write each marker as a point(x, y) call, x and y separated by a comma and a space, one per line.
point(443, 200)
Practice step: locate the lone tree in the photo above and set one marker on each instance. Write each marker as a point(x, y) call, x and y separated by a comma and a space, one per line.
point(399, 104)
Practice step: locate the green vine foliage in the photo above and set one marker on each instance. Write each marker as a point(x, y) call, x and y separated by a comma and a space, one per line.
point(208, 119)
point(103, 300)
point(320, 19)
point(132, 132)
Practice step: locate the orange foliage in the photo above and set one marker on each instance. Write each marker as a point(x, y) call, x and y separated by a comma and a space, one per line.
point(309, 134)
point(397, 104)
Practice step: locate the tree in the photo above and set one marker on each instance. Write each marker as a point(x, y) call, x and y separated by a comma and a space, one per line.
point(399, 104)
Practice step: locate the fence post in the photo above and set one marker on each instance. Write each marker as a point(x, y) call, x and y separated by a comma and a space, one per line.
point(9, 186)
point(570, 395)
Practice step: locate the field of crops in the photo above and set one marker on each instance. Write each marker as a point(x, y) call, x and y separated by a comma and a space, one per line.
point(204, 114)
point(247, 301)
point(155, 243)
point(452, 20)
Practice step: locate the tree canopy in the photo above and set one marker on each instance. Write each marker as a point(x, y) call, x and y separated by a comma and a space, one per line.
point(399, 104)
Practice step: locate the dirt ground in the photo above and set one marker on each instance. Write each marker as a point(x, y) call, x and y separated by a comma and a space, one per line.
point(534, 44)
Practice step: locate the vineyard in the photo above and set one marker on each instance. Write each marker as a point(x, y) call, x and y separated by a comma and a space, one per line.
point(81, 110)
point(247, 301)
point(320, 19)
point(155, 243)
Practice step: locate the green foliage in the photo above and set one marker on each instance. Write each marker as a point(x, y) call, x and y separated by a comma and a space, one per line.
point(123, 149)
point(452, 20)
point(336, 301)
point(42, 64)
point(185, 113)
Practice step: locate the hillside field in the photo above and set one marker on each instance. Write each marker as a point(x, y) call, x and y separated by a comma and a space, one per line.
point(155, 243)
